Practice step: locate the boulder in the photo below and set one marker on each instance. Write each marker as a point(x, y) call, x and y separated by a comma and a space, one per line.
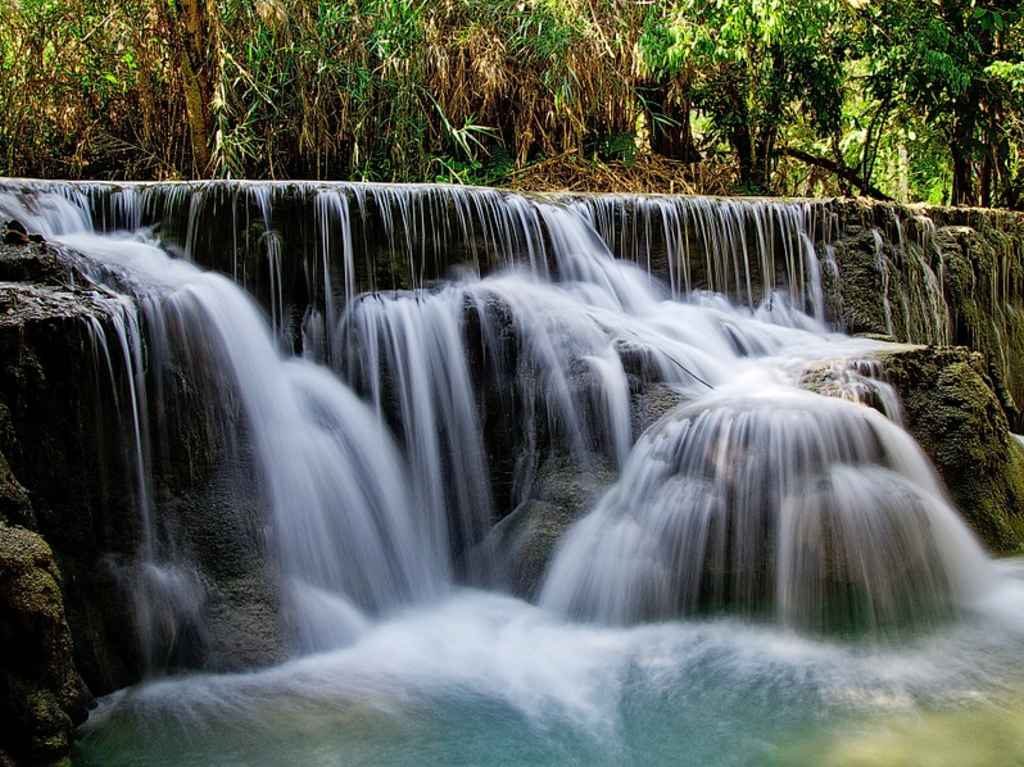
point(947, 401)
point(42, 697)
point(951, 409)
point(566, 488)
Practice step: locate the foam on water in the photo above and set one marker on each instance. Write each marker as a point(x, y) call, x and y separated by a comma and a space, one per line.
point(481, 675)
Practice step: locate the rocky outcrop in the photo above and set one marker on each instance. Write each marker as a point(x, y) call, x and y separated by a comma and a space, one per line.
point(42, 697)
point(64, 451)
point(951, 409)
point(924, 275)
point(566, 488)
point(523, 543)
point(946, 399)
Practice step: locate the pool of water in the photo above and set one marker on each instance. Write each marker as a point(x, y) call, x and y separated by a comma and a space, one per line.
point(483, 679)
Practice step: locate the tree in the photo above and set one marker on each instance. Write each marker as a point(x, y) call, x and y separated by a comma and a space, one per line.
point(750, 64)
point(936, 57)
point(191, 30)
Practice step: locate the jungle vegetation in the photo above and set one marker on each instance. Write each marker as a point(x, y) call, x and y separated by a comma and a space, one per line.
point(909, 99)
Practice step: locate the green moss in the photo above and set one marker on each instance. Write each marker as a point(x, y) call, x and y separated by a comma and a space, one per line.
point(953, 412)
point(1015, 474)
point(42, 694)
point(958, 279)
point(855, 295)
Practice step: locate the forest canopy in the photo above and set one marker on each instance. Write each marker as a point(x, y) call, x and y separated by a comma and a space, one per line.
point(917, 100)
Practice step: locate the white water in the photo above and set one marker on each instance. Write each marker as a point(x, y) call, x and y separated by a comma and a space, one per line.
point(753, 498)
point(483, 679)
point(335, 485)
point(760, 496)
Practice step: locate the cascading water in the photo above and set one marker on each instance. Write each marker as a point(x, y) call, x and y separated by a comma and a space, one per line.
point(333, 481)
point(754, 510)
point(766, 499)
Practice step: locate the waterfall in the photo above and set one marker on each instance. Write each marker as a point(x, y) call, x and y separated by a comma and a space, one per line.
point(425, 395)
point(336, 487)
point(737, 542)
point(334, 482)
point(561, 339)
point(343, 238)
point(771, 500)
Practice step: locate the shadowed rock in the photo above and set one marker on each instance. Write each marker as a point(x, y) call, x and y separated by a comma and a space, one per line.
point(43, 698)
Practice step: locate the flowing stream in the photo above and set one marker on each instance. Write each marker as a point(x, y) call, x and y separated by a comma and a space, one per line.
point(772, 574)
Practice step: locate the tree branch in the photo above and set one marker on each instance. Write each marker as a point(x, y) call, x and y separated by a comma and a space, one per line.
point(844, 172)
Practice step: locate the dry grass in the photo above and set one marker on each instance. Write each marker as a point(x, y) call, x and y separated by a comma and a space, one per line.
point(646, 174)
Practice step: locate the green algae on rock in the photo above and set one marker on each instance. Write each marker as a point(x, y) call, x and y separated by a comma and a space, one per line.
point(947, 401)
point(951, 409)
point(44, 697)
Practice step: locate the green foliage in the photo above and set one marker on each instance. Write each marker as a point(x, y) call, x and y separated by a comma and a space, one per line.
point(752, 66)
point(952, 64)
point(916, 98)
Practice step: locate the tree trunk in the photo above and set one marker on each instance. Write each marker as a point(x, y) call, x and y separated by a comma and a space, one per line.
point(672, 136)
point(738, 126)
point(192, 35)
point(768, 130)
point(962, 149)
point(764, 152)
point(739, 137)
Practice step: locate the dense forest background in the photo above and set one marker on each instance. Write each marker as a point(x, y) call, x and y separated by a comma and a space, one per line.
point(909, 99)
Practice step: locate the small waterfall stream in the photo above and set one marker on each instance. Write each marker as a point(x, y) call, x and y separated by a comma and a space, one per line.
point(334, 482)
point(398, 361)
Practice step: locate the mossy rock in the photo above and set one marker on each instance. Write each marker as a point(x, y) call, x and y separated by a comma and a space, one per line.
point(525, 541)
point(855, 295)
point(926, 275)
point(43, 697)
point(951, 409)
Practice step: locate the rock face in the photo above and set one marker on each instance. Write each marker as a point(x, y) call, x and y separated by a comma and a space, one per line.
point(947, 401)
point(59, 443)
point(943, 276)
point(952, 411)
point(564, 490)
point(42, 697)
point(947, 278)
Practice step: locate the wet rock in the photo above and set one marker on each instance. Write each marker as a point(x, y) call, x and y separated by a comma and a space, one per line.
point(33, 263)
point(15, 504)
point(951, 409)
point(566, 488)
point(855, 292)
point(983, 271)
point(65, 452)
point(243, 625)
point(650, 403)
point(65, 435)
point(947, 401)
point(14, 234)
point(940, 276)
point(42, 697)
